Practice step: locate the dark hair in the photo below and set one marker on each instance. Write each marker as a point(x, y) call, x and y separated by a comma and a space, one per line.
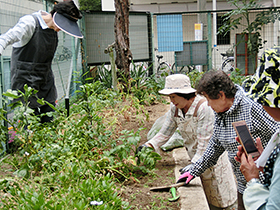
point(212, 82)
point(186, 96)
point(68, 8)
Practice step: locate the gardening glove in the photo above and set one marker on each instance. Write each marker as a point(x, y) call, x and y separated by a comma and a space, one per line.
point(185, 169)
point(140, 148)
point(185, 177)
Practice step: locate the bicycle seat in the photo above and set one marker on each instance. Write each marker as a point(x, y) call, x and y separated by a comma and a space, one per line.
point(159, 56)
point(223, 54)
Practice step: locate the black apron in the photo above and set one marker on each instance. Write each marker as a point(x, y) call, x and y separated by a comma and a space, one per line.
point(31, 65)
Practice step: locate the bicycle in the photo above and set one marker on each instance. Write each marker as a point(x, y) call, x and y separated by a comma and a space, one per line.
point(164, 68)
point(228, 63)
point(182, 69)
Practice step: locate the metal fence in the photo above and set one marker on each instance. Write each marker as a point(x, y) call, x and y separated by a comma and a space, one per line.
point(179, 38)
point(217, 44)
point(176, 38)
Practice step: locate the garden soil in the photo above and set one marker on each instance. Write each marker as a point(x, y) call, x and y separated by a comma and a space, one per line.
point(138, 194)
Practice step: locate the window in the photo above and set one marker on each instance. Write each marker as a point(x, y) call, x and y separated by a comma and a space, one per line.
point(221, 38)
point(245, 61)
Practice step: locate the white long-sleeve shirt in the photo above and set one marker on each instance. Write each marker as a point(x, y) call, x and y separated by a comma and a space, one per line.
point(22, 32)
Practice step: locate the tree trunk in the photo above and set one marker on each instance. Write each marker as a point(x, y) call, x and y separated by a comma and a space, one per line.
point(122, 46)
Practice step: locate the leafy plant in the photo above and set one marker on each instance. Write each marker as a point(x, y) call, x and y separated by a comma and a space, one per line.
point(195, 76)
point(139, 74)
point(105, 76)
point(23, 120)
point(90, 5)
point(77, 195)
point(69, 162)
point(237, 77)
point(252, 28)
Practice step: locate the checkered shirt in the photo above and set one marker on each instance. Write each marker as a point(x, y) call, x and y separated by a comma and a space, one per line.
point(259, 123)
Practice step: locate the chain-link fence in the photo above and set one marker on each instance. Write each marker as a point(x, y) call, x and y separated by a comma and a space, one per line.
point(181, 39)
point(233, 44)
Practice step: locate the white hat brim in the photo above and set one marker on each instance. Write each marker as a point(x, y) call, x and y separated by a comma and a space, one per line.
point(171, 91)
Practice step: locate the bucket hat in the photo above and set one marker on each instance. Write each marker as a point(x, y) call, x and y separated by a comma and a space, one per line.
point(177, 83)
point(67, 23)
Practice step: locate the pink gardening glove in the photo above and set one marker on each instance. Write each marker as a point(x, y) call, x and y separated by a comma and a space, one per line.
point(185, 177)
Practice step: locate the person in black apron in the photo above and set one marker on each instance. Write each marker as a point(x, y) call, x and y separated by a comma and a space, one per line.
point(34, 40)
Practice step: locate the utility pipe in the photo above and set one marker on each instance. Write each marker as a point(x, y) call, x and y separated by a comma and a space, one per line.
point(275, 28)
point(214, 33)
point(72, 65)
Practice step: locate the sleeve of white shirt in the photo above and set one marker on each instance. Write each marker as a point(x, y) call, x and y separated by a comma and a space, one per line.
point(20, 34)
point(167, 130)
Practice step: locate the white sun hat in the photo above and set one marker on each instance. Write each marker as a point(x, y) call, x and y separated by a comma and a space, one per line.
point(177, 83)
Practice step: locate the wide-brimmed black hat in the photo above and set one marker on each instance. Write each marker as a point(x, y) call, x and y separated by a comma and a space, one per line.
point(68, 24)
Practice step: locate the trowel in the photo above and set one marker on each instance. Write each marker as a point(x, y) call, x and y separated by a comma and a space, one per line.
point(173, 193)
point(167, 187)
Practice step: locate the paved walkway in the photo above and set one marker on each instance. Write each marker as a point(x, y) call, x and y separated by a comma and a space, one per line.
point(192, 196)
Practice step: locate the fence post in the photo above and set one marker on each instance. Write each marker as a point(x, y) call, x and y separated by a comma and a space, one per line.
point(151, 44)
point(153, 47)
point(1, 81)
point(209, 40)
point(110, 50)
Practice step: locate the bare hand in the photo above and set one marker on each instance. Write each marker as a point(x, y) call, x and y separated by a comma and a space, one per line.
point(259, 145)
point(248, 167)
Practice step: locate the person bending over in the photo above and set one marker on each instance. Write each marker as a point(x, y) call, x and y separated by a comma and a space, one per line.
point(34, 40)
point(190, 113)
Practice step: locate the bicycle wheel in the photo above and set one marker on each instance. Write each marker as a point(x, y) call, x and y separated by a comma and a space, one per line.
point(173, 68)
point(163, 69)
point(228, 66)
point(186, 69)
point(179, 69)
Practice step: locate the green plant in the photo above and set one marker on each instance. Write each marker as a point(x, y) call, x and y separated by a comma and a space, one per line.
point(105, 76)
point(252, 27)
point(69, 162)
point(237, 77)
point(195, 76)
point(90, 5)
point(139, 74)
point(23, 120)
point(33, 195)
point(147, 90)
